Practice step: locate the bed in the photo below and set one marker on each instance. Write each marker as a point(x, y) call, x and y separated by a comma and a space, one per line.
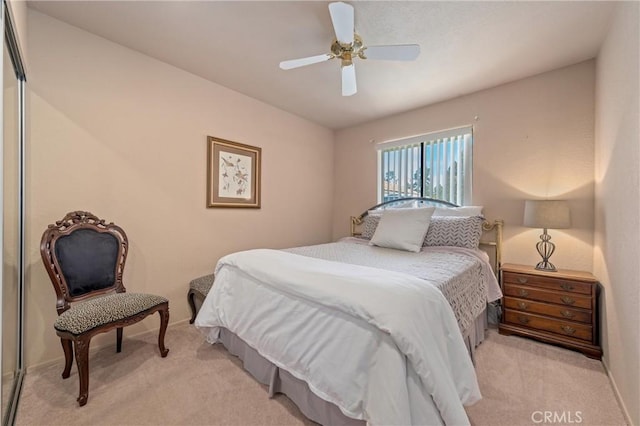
point(356, 333)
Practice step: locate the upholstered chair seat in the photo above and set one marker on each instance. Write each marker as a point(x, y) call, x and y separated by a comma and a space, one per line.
point(198, 287)
point(202, 284)
point(85, 316)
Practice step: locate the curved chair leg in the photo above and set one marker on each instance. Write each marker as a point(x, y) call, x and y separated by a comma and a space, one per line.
point(119, 339)
point(82, 359)
point(164, 321)
point(192, 305)
point(68, 357)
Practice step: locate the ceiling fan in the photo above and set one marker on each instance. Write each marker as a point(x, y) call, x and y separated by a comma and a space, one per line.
point(348, 46)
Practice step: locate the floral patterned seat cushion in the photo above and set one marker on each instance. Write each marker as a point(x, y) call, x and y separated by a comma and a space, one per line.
point(203, 284)
point(85, 316)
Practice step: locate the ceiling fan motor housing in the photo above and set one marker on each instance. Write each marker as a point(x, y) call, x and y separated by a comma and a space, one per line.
point(347, 52)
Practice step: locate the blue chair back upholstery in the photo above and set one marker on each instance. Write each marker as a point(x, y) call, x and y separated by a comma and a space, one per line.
point(88, 260)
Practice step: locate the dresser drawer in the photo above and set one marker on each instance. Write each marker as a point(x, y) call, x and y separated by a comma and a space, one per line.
point(550, 283)
point(558, 311)
point(564, 328)
point(542, 295)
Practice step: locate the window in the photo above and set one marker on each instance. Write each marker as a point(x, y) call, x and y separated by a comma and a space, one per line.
point(435, 165)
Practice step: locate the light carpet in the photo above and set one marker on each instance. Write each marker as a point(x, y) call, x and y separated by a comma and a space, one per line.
point(200, 384)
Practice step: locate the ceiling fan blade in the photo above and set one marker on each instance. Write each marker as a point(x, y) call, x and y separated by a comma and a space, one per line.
point(400, 52)
point(349, 80)
point(342, 19)
point(296, 63)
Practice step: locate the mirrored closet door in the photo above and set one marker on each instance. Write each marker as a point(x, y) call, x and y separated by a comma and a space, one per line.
point(12, 221)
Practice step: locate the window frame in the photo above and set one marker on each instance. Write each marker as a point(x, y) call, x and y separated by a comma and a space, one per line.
point(423, 140)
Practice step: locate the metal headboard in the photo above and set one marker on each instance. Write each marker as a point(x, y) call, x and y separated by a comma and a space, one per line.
point(492, 235)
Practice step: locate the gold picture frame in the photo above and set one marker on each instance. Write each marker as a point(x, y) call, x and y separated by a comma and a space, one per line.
point(233, 174)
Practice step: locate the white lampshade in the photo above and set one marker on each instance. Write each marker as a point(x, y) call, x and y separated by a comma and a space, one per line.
point(547, 214)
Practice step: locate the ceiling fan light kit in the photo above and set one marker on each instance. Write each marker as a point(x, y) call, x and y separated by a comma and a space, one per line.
point(348, 46)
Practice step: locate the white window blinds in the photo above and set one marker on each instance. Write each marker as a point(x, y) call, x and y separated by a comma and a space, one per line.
point(435, 165)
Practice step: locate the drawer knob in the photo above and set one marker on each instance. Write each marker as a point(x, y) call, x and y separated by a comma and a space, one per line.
point(567, 300)
point(523, 293)
point(522, 280)
point(567, 314)
point(523, 305)
point(523, 319)
point(566, 286)
point(567, 329)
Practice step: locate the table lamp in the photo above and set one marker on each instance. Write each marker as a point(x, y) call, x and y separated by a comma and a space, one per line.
point(546, 214)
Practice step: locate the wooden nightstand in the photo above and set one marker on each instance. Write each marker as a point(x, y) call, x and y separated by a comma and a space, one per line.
point(554, 307)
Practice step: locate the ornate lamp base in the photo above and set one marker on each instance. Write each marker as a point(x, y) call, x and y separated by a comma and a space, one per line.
point(545, 248)
point(546, 266)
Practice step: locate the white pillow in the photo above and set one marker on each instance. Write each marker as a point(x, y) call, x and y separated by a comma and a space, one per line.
point(403, 229)
point(464, 211)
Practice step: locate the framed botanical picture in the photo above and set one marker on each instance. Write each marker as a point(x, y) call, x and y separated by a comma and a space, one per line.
point(233, 174)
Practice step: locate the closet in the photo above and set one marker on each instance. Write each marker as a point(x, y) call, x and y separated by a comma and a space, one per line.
point(13, 210)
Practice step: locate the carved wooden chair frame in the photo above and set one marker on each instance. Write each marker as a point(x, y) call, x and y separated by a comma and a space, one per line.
point(74, 221)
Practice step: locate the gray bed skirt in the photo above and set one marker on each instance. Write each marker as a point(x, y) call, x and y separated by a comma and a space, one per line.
point(311, 405)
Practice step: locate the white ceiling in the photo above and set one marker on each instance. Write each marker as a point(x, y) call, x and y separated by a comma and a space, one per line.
point(465, 46)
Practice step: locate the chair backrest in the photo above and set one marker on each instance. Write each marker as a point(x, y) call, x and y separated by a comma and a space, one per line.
point(84, 257)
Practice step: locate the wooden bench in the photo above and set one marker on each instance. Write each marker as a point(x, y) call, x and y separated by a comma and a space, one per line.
point(198, 287)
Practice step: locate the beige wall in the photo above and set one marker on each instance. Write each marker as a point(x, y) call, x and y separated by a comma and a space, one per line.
point(617, 236)
point(533, 138)
point(122, 135)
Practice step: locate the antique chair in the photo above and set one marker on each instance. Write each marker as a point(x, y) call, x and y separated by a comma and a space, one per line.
point(85, 257)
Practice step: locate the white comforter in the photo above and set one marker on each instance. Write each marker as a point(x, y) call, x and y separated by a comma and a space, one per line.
point(383, 346)
point(463, 276)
